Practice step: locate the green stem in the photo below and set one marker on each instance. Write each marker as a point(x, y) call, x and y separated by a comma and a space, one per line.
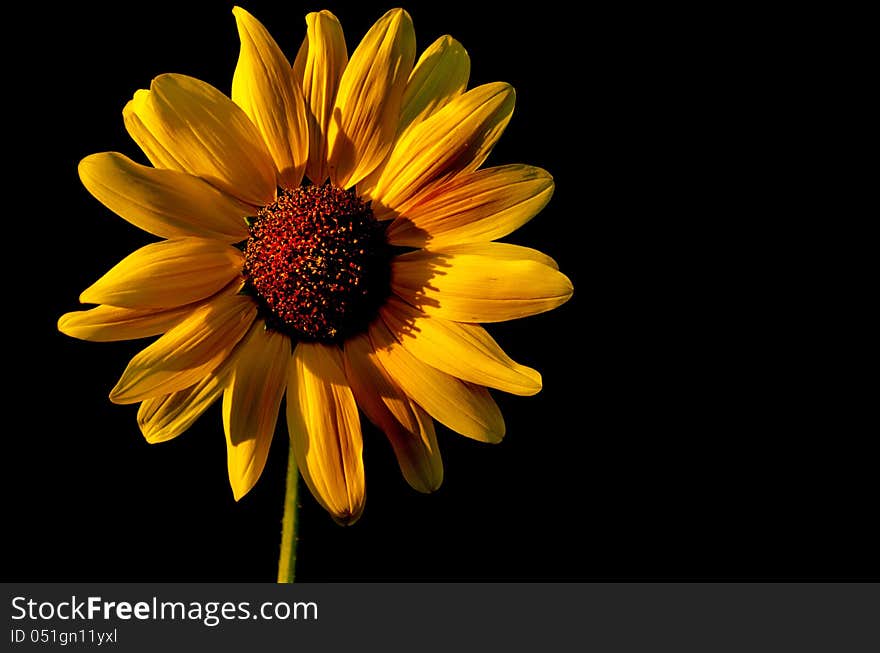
point(287, 559)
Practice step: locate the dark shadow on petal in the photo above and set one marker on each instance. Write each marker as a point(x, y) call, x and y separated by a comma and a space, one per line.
point(411, 276)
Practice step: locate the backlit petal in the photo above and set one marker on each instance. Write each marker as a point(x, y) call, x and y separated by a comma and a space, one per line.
point(185, 124)
point(165, 203)
point(476, 207)
point(465, 351)
point(167, 416)
point(251, 402)
point(167, 274)
point(141, 105)
point(325, 430)
point(409, 429)
point(364, 118)
point(440, 75)
point(111, 323)
point(418, 457)
point(482, 282)
point(318, 68)
point(187, 353)
point(499, 252)
point(456, 139)
point(464, 407)
point(263, 86)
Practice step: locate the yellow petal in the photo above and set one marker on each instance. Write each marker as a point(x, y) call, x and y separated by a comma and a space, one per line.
point(365, 373)
point(465, 351)
point(110, 323)
point(418, 457)
point(165, 203)
point(482, 282)
point(251, 402)
point(465, 408)
point(185, 124)
point(476, 207)
point(500, 252)
point(188, 352)
point(167, 416)
point(318, 68)
point(167, 274)
point(156, 152)
point(440, 75)
point(367, 107)
point(456, 139)
point(263, 86)
point(409, 429)
point(325, 430)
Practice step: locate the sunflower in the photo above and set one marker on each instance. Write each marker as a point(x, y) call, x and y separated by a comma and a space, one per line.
point(327, 234)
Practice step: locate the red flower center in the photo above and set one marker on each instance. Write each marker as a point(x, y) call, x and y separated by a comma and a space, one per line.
point(317, 263)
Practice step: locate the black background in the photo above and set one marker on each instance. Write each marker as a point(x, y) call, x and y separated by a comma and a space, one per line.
point(681, 432)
